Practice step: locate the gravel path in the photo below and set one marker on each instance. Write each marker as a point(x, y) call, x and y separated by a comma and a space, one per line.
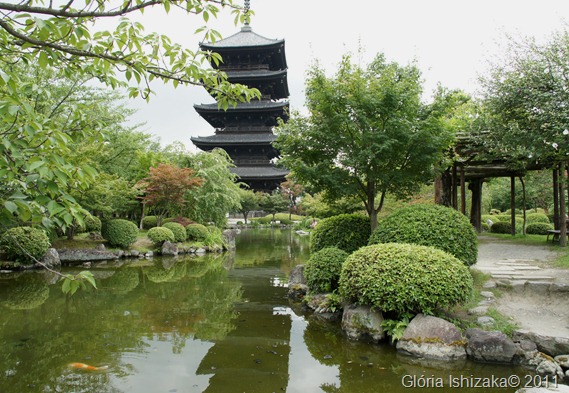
point(537, 294)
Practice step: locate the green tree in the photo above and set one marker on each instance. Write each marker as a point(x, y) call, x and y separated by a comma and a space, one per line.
point(525, 96)
point(248, 201)
point(219, 192)
point(60, 38)
point(367, 133)
point(274, 203)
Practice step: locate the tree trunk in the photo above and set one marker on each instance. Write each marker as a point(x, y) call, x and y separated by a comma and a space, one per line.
point(443, 189)
point(476, 206)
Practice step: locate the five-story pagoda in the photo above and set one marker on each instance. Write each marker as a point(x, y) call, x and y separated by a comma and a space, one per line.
point(245, 132)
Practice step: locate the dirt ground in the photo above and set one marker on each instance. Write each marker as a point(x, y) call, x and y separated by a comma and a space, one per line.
point(541, 312)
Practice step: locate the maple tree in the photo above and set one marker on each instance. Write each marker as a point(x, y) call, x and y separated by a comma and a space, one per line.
point(165, 188)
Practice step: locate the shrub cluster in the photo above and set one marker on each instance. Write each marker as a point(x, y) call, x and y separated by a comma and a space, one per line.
point(196, 232)
point(322, 270)
point(430, 225)
point(149, 222)
point(159, 235)
point(18, 242)
point(119, 232)
point(501, 227)
point(92, 224)
point(347, 232)
point(537, 217)
point(405, 278)
point(538, 228)
point(178, 230)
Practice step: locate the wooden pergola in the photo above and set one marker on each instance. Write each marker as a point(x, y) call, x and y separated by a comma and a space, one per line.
point(470, 168)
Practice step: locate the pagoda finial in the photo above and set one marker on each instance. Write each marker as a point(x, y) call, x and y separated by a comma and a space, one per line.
point(246, 11)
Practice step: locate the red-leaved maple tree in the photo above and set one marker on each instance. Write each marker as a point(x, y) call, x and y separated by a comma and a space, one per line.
point(165, 188)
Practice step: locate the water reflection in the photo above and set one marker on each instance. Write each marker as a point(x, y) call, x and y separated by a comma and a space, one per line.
point(219, 323)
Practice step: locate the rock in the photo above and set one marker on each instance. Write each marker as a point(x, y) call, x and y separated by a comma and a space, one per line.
point(552, 346)
point(119, 253)
point(548, 368)
point(540, 287)
point(134, 253)
point(432, 338)
point(87, 265)
point(360, 322)
point(10, 373)
point(563, 361)
point(297, 275)
point(487, 294)
point(51, 258)
point(557, 287)
point(557, 389)
point(490, 346)
point(85, 255)
point(95, 236)
point(489, 285)
point(201, 250)
point(149, 254)
point(485, 321)
point(480, 310)
point(100, 247)
point(229, 236)
point(169, 248)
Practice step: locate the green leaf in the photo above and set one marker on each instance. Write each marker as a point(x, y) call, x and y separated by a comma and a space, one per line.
point(11, 206)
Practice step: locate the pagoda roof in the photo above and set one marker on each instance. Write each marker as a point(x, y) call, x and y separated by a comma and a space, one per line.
point(259, 172)
point(257, 108)
point(271, 82)
point(245, 43)
point(244, 38)
point(224, 139)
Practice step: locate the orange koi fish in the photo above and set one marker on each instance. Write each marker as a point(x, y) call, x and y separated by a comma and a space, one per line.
point(83, 366)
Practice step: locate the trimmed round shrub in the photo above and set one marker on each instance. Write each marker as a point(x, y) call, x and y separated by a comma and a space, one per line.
point(159, 235)
point(178, 230)
point(322, 270)
point(537, 217)
point(92, 224)
point(347, 232)
point(405, 278)
point(149, 222)
point(501, 227)
point(196, 232)
point(34, 241)
point(430, 225)
point(538, 228)
point(119, 233)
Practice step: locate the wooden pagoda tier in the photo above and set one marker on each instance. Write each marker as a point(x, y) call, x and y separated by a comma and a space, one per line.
point(245, 131)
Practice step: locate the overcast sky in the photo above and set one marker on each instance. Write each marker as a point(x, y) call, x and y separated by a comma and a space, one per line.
point(451, 41)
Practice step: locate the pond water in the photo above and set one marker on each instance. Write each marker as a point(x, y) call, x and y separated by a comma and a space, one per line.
point(219, 323)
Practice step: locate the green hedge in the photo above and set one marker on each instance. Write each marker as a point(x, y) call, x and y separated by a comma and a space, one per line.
point(178, 230)
point(537, 217)
point(149, 222)
point(159, 235)
point(347, 232)
point(119, 233)
point(405, 278)
point(538, 228)
point(430, 225)
point(197, 232)
point(501, 227)
point(34, 241)
point(322, 270)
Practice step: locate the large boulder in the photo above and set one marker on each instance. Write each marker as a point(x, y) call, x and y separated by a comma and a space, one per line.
point(361, 322)
point(51, 258)
point(432, 338)
point(297, 287)
point(169, 248)
point(85, 255)
point(549, 345)
point(229, 236)
point(490, 346)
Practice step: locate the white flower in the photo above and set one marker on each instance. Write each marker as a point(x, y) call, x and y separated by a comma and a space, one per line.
point(565, 131)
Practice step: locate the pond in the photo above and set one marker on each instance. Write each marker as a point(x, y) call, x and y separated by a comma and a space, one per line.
point(218, 323)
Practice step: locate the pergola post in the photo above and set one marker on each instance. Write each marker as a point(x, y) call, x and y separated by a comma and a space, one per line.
point(562, 209)
point(513, 204)
point(476, 208)
point(454, 187)
point(462, 191)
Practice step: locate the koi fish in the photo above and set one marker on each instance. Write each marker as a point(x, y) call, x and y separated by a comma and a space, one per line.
point(83, 366)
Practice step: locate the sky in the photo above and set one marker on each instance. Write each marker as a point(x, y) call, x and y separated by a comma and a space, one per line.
point(451, 41)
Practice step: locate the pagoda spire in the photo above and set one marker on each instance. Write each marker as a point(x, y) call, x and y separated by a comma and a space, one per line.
point(246, 9)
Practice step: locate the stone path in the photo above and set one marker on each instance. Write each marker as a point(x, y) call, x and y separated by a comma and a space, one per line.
point(532, 291)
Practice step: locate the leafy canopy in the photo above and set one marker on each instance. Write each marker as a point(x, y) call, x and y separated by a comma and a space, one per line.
point(367, 133)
